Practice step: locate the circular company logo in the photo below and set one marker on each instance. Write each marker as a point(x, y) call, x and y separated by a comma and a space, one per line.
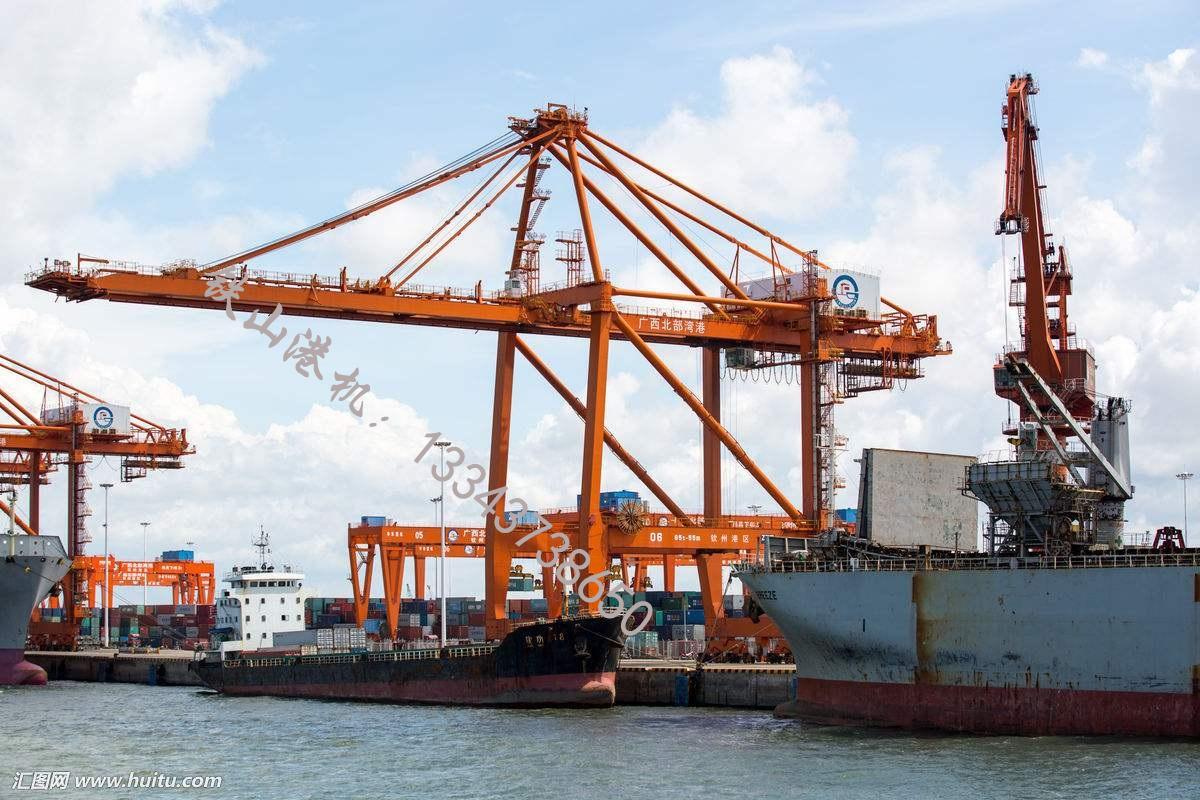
point(102, 417)
point(452, 536)
point(469, 549)
point(845, 291)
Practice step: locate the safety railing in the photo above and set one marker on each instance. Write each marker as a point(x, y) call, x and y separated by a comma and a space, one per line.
point(866, 564)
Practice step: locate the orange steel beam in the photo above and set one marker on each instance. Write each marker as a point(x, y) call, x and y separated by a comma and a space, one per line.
point(362, 566)
point(591, 530)
point(615, 446)
point(807, 256)
point(667, 222)
point(50, 382)
point(796, 309)
point(694, 218)
point(585, 214)
point(637, 232)
point(366, 208)
point(651, 540)
point(93, 444)
point(447, 309)
point(707, 419)
point(709, 566)
point(531, 175)
point(462, 228)
point(391, 563)
point(446, 223)
point(499, 548)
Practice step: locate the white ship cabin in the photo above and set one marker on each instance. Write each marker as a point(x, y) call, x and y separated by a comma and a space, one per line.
point(259, 603)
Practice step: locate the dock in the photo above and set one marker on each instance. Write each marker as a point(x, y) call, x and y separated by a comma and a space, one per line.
point(642, 682)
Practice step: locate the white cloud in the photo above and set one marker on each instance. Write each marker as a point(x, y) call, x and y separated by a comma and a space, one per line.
point(772, 148)
point(1091, 58)
point(103, 91)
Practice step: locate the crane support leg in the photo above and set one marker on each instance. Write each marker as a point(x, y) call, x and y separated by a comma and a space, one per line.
point(498, 551)
point(552, 591)
point(419, 563)
point(810, 409)
point(709, 566)
point(362, 562)
point(592, 532)
point(668, 573)
point(391, 563)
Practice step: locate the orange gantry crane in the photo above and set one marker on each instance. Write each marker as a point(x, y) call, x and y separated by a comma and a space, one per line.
point(191, 582)
point(795, 324)
point(670, 545)
point(73, 425)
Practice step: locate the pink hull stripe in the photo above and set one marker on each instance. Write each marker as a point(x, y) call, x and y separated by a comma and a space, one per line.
point(979, 709)
point(542, 690)
point(16, 671)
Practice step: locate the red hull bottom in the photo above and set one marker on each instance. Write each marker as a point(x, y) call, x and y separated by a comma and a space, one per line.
point(991, 710)
point(16, 671)
point(543, 690)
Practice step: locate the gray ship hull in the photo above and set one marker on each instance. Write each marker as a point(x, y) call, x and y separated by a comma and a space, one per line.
point(1082, 650)
point(29, 568)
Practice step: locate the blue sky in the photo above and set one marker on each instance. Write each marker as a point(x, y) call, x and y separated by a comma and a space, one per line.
point(868, 131)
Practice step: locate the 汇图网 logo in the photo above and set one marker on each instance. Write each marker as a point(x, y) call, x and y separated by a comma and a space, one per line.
point(845, 291)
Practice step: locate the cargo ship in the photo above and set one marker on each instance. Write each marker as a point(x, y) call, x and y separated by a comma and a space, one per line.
point(32, 566)
point(1057, 625)
point(569, 662)
point(1088, 644)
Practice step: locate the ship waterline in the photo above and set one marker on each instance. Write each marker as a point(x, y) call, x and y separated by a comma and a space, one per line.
point(1097, 645)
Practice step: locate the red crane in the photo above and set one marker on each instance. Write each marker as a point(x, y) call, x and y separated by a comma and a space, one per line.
point(1040, 286)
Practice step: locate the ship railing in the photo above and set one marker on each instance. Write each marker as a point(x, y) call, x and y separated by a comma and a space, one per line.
point(861, 564)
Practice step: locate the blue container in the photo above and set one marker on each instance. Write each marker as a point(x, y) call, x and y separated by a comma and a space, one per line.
point(374, 522)
point(673, 617)
point(848, 515)
point(695, 616)
point(373, 625)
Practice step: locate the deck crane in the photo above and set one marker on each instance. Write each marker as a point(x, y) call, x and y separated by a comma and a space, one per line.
point(799, 328)
point(1067, 488)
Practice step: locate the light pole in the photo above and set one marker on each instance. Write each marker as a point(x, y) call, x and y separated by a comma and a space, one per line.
point(145, 575)
point(104, 597)
point(442, 445)
point(1184, 477)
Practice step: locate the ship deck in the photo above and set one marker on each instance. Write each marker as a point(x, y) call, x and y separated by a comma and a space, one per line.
point(881, 563)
